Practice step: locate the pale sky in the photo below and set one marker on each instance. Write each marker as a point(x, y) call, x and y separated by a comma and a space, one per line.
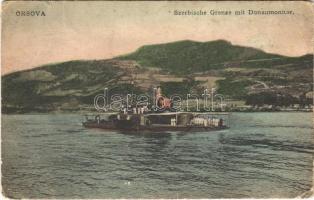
point(98, 30)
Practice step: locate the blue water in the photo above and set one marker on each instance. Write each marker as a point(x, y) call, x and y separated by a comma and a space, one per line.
point(261, 155)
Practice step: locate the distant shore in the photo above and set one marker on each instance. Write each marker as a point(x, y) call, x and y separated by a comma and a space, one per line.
point(82, 112)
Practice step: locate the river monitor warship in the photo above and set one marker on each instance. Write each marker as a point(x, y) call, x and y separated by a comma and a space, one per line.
point(159, 122)
point(143, 119)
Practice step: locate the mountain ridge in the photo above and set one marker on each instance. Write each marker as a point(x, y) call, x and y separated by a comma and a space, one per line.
point(185, 56)
point(185, 65)
point(152, 45)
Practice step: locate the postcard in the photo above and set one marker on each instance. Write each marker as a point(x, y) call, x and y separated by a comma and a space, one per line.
point(157, 99)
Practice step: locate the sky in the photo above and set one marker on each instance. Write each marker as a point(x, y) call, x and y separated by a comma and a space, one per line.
point(78, 30)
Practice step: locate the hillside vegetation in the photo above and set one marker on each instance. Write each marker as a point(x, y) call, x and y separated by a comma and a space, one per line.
point(185, 66)
point(186, 57)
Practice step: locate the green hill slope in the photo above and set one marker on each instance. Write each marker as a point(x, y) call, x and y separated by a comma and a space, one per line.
point(50, 87)
point(240, 71)
point(186, 57)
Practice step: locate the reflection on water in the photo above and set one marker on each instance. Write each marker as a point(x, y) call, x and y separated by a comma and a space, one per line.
point(53, 156)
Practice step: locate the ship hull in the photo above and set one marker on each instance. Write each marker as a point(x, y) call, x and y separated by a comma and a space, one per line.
point(153, 129)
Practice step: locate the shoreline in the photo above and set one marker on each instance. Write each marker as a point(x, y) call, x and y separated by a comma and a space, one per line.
point(95, 112)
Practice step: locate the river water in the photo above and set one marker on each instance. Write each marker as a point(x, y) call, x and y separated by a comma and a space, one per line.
point(261, 155)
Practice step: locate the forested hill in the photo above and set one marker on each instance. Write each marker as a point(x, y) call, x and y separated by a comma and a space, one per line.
point(184, 57)
point(239, 73)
